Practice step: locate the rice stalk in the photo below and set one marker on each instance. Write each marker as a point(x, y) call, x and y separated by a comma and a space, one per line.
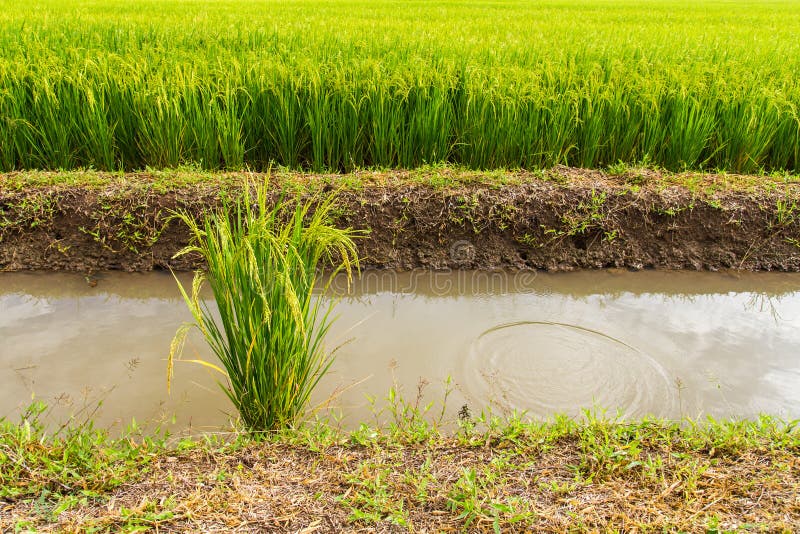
point(263, 269)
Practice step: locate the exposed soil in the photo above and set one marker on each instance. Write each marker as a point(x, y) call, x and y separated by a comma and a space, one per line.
point(562, 219)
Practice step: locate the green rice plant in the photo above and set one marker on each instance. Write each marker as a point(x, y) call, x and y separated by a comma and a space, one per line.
point(335, 120)
point(163, 129)
point(339, 84)
point(428, 136)
point(13, 129)
point(652, 135)
point(285, 121)
point(263, 265)
point(228, 115)
point(559, 138)
point(591, 130)
point(785, 149)
point(346, 150)
point(201, 112)
point(482, 129)
point(623, 129)
point(745, 132)
point(690, 125)
point(386, 105)
point(50, 142)
point(319, 118)
point(260, 145)
point(122, 114)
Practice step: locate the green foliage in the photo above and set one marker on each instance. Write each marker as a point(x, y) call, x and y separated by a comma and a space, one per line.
point(472, 498)
point(75, 460)
point(35, 209)
point(338, 85)
point(590, 215)
point(263, 266)
point(500, 473)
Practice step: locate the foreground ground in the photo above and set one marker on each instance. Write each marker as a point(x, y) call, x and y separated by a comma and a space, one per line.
point(587, 475)
point(435, 217)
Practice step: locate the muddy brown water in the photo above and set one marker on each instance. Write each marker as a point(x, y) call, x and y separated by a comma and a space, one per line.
point(668, 344)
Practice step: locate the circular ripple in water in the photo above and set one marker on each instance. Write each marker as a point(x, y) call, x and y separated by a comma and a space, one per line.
point(546, 368)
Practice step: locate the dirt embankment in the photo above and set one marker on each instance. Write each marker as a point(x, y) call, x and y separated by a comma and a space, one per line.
point(562, 219)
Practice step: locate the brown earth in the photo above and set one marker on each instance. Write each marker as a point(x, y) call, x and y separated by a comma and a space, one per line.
point(562, 219)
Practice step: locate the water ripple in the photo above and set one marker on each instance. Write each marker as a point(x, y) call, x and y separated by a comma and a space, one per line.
point(548, 367)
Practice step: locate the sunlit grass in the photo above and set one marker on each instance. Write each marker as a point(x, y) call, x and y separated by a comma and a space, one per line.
point(338, 85)
point(491, 473)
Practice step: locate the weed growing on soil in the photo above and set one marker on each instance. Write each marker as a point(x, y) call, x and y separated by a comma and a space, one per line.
point(262, 267)
point(135, 227)
point(589, 216)
point(127, 213)
point(786, 212)
point(29, 212)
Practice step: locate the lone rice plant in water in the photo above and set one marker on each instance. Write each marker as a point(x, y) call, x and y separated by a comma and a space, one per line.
point(262, 267)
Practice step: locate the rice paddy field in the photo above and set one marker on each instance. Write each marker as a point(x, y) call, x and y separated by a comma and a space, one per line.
point(482, 137)
point(335, 85)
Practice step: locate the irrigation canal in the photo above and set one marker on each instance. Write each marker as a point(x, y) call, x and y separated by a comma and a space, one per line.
point(664, 343)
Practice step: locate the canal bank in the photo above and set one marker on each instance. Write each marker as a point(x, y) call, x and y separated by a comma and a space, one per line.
point(557, 220)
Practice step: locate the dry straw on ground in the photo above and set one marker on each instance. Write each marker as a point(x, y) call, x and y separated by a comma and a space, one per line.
point(593, 476)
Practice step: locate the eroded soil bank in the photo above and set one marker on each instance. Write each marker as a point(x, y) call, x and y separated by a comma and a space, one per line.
point(561, 219)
